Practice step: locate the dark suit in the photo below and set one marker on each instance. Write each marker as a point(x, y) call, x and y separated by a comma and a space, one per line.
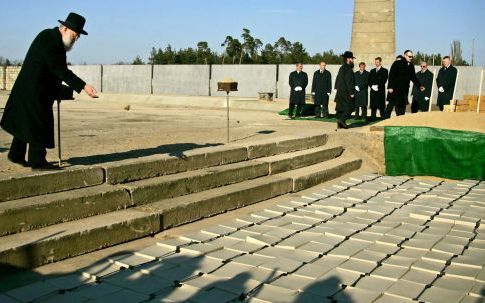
point(446, 79)
point(345, 86)
point(399, 76)
point(361, 96)
point(419, 98)
point(297, 98)
point(321, 88)
point(28, 112)
point(378, 98)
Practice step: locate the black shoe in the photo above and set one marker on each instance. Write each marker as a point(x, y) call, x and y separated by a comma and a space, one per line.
point(45, 166)
point(342, 125)
point(20, 162)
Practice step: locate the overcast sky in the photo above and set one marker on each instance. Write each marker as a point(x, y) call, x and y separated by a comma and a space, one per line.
point(121, 30)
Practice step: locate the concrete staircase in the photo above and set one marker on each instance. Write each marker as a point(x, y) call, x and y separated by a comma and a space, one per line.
point(52, 216)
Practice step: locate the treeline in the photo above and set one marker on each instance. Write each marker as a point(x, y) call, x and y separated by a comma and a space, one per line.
point(250, 50)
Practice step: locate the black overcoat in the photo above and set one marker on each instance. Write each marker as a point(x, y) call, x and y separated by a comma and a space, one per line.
point(426, 79)
point(400, 75)
point(321, 86)
point(379, 78)
point(362, 81)
point(298, 79)
point(28, 112)
point(345, 86)
point(446, 78)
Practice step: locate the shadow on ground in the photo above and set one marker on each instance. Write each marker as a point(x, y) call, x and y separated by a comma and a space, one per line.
point(176, 150)
point(172, 279)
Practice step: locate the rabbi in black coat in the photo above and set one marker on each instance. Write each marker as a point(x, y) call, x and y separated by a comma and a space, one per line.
point(421, 99)
point(28, 113)
point(345, 86)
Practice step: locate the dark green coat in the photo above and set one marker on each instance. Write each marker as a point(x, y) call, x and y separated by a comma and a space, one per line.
point(345, 86)
point(298, 79)
point(28, 112)
point(446, 78)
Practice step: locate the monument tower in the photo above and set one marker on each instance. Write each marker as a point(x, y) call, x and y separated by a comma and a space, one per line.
point(373, 31)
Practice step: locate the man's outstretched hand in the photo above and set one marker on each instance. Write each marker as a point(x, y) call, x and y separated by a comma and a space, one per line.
point(91, 91)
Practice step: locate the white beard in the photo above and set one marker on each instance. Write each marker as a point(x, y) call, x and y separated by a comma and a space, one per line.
point(68, 43)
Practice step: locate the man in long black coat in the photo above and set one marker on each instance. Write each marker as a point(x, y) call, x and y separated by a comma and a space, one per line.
point(446, 82)
point(298, 82)
point(421, 99)
point(321, 90)
point(28, 112)
point(345, 86)
point(377, 83)
point(401, 73)
point(361, 78)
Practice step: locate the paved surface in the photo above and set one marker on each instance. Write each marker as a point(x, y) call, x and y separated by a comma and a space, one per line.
point(366, 239)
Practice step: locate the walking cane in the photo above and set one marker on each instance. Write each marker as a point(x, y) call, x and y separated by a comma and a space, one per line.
point(59, 131)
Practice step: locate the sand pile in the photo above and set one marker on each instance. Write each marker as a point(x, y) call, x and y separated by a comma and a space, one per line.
point(467, 121)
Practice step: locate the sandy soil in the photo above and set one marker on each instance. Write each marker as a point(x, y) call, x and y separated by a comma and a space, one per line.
point(469, 121)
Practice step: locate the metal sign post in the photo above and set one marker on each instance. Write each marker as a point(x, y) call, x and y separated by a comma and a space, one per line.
point(59, 131)
point(227, 85)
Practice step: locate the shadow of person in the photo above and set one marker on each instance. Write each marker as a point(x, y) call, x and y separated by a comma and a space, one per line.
point(323, 289)
point(176, 150)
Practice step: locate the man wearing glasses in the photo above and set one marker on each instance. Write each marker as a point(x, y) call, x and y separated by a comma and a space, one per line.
point(401, 72)
point(28, 113)
point(421, 99)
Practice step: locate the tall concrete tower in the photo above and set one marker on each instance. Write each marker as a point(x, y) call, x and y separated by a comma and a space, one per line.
point(373, 31)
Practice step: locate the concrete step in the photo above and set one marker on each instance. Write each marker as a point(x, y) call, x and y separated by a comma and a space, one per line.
point(40, 211)
point(60, 241)
point(34, 184)
point(315, 174)
point(134, 170)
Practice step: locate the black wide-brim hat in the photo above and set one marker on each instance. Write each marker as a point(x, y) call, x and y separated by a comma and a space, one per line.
point(348, 54)
point(75, 22)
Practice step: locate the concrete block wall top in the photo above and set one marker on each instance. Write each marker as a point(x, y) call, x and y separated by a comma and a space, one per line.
point(181, 79)
point(251, 79)
point(135, 79)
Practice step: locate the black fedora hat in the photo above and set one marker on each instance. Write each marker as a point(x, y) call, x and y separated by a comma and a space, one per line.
point(348, 54)
point(75, 22)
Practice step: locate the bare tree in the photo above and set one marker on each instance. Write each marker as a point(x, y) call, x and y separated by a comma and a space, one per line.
point(456, 54)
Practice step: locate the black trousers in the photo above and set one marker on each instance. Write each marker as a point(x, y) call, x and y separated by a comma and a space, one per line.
point(36, 154)
point(299, 108)
point(400, 110)
point(321, 110)
point(373, 112)
point(364, 111)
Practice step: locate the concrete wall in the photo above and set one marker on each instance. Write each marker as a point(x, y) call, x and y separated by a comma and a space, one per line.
point(194, 79)
point(133, 79)
point(190, 80)
point(251, 79)
point(2, 77)
point(91, 74)
point(11, 75)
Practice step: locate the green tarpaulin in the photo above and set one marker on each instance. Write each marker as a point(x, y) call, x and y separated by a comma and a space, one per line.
point(426, 151)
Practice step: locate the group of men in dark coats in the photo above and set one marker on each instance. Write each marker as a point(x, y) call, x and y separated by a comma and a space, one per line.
point(28, 113)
